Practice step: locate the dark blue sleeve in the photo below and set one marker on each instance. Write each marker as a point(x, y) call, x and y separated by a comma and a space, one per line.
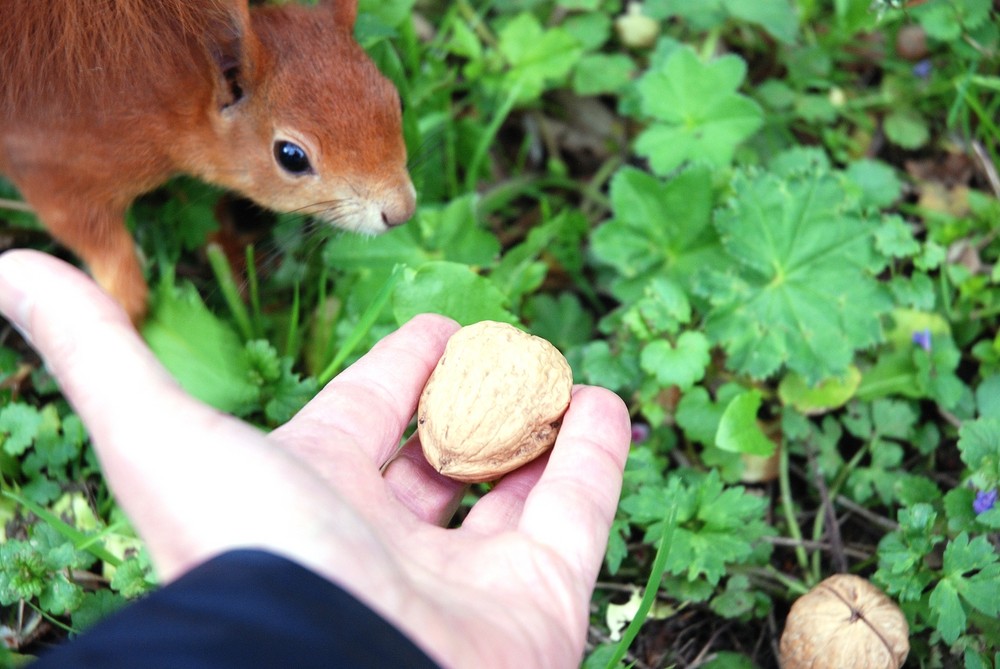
point(242, 609)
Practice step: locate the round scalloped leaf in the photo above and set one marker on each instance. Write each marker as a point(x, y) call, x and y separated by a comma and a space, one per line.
point(800, 288)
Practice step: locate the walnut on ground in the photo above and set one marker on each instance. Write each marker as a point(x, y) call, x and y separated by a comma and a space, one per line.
point(845, 621)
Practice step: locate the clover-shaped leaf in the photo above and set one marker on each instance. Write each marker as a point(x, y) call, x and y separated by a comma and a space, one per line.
point(659, 229)
point(682, 363)
point(799, 290)
point(536, 56)
point(698, 115)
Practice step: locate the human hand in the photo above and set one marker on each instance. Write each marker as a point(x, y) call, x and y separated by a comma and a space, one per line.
point(510, 587)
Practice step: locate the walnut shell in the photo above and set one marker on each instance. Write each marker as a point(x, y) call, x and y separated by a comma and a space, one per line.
point(845, 621)
point(494, 402)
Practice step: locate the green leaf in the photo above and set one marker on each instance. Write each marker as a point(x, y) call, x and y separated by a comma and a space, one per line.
point(958, 508)
point(659, 229)
point(799, 288)
point(617, 549)
point(604, 367)
point(907, 129)
point(877, 181)
point(907, 369)
point(194, 219)
point(590, 29)
point(702, 15)
point(561, 320)
point(730, 660)
point(52, 451)
point(698, 114)
point(60, 596)
point(682, 364)
point(57, 532)
point(134, 576)
point(950, 614)
point(738, 428)
point(287, 394)
point(911, 489)
point(94, 607)
point(664, 307)
point(391, 12)
point(202, 352)
point(979, 447)
point(903, 568)
point(452, 233)
point(894, 418)
point(451, 289)
point(19, 425)
point(521, 270)
point(829, 394)
point(940, 20)
point(537, 57)
point(775, 94)
point(894, 238)
point(22, 572)
point(698, 415)
point(603, 73)
point(988, 396)
point(463, 41)
point(718, 526)
point(981, 589)
point(815, 109)
point(777, 17)
point(963, 555)
point(399, 246)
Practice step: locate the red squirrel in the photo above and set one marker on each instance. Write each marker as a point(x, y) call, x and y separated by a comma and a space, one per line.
point(104, 100)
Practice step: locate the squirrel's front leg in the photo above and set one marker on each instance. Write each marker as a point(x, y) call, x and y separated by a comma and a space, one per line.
point(98, 236)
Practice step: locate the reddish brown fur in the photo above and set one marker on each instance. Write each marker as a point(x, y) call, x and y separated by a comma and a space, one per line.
point(102, 100)
point(65, 46)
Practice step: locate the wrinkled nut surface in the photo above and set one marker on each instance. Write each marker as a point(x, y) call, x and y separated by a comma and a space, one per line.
point(494, 402)
point(845, 621)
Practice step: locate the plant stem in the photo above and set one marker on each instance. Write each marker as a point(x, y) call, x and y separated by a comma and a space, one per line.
point(363, 326)
point(253, 288)
point(652, 588)
point(227, 285)
point(490, 134)
point(785, 486)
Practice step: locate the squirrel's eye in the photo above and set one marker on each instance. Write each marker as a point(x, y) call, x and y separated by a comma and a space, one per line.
point(292, 158)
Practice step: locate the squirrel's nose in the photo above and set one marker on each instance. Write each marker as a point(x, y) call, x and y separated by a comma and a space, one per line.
point(399, 205)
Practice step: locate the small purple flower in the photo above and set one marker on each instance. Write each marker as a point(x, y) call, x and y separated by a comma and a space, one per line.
point(985, 499)
point(922, 338)
point(640, 433)
point(923, 68)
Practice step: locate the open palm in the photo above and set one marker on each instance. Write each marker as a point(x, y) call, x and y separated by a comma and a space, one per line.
point(511, 586)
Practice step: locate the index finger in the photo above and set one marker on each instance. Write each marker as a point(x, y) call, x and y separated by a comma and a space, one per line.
point(356, 422)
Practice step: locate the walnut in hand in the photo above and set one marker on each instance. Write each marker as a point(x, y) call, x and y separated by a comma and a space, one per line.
point(494, 402)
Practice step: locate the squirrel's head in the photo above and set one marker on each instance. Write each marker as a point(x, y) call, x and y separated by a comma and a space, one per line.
point(307, 123)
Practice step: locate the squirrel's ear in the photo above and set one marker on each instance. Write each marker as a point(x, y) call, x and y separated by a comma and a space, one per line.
point(233, 48)
point(345, 12)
